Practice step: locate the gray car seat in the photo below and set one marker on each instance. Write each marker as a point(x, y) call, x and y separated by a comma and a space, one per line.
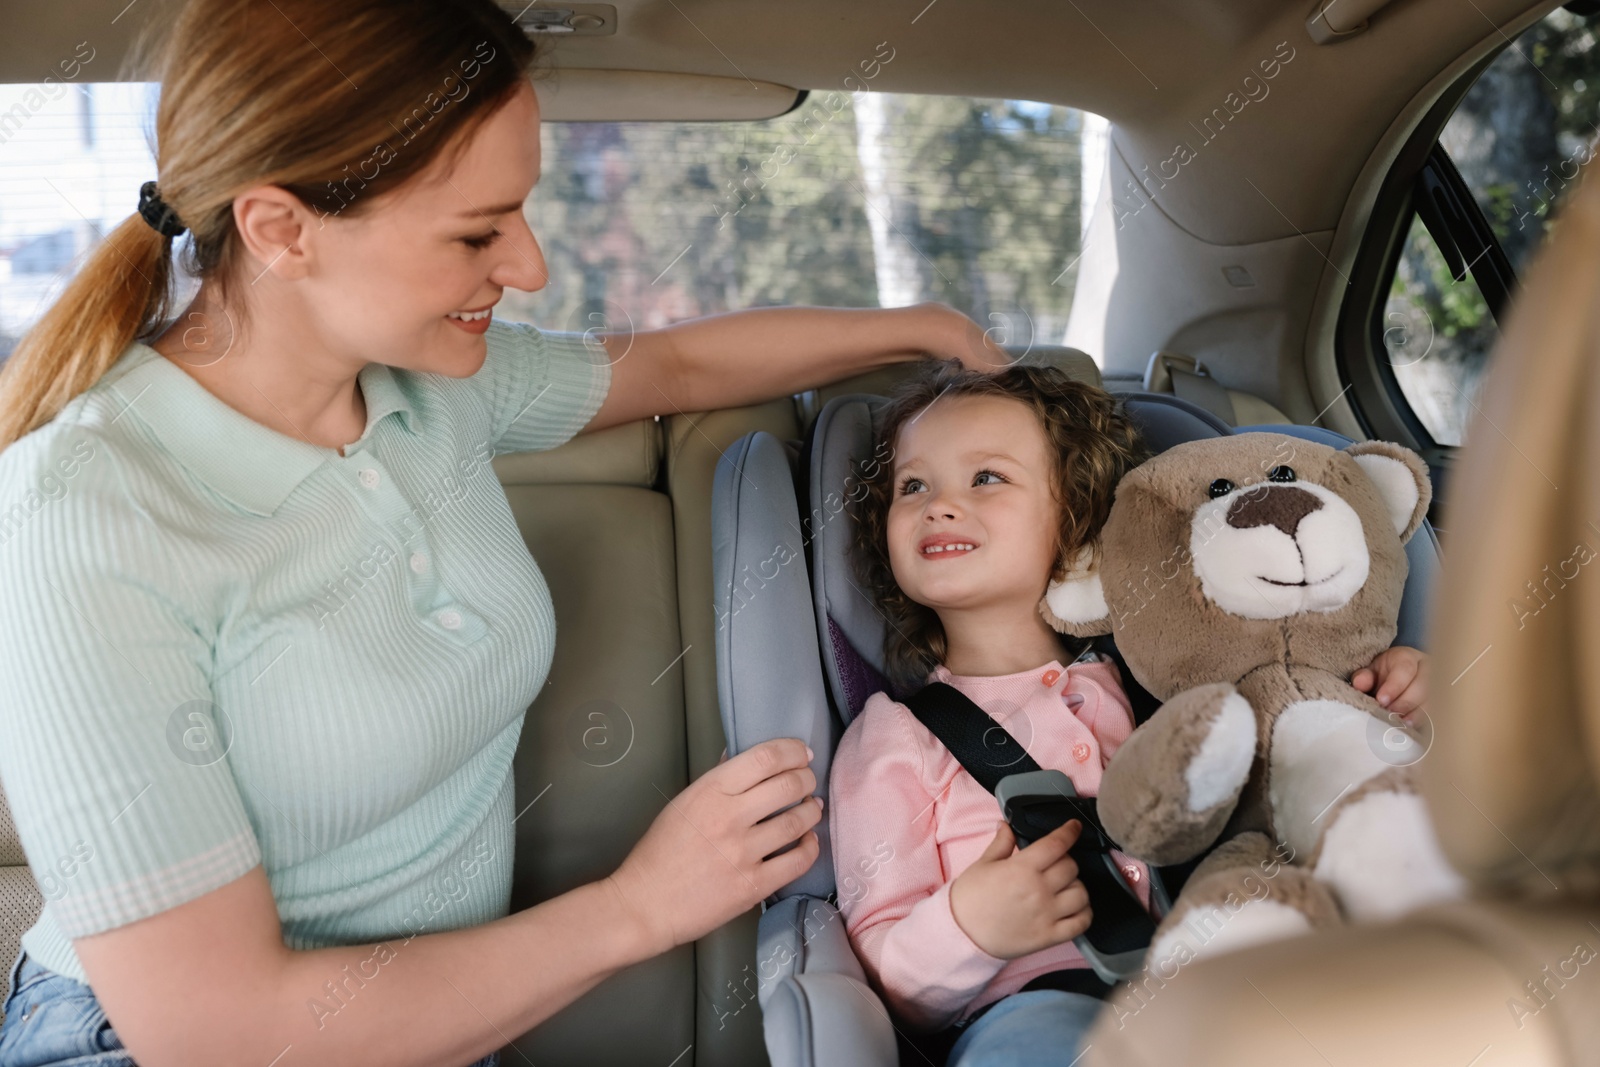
point(799, 650)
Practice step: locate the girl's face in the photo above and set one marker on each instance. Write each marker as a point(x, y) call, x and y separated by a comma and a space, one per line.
point(446, 241)
point(973, 522)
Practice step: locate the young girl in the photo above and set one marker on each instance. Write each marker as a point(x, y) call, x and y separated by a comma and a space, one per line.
point(995, 481)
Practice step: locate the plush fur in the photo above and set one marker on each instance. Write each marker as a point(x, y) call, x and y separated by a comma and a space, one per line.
point(1246, 579)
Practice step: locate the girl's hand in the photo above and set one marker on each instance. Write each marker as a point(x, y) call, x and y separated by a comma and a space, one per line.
point(701, 862)
point(1011, 903)
point(1401, 677)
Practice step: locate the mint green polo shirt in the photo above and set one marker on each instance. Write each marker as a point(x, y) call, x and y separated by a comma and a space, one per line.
point(221, 646)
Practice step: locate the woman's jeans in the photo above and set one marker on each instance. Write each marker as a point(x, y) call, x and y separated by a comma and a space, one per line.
point(1039, 1026)
point(53, 1021)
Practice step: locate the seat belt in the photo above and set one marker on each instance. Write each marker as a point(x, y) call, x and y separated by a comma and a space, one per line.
point(1198, 387)
point(1122, 928)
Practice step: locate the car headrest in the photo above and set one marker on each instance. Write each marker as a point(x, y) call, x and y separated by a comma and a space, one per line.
point(881, 381)
point(1512, 774)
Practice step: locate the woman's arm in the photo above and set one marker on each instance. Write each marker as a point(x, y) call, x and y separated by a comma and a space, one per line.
point(745, 357)
point(211, 981)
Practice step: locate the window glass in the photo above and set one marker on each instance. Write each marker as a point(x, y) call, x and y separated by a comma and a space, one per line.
point(1437, 333)
point(72, 158)
point(1525, 131)
point(857, 200)
point(1521, 138)
point(853, 199)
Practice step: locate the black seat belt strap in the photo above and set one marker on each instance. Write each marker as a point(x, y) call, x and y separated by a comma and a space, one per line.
point(987, 751)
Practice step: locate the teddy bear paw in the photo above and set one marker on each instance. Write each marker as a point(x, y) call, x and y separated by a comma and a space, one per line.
point(1171, 787)
point(1382, 858)
point(1221, 764)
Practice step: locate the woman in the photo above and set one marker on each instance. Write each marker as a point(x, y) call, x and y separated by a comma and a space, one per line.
point(270, 630)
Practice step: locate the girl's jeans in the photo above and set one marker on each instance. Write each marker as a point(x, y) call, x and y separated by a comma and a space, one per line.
point(1039, 1026)
point(53, 1021)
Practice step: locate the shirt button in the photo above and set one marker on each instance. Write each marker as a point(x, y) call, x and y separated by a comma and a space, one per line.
point(1050, 676)
point(1080, 751)
point(450, 619)
point(369, 477)
point(419, 562)
point(1132, 872)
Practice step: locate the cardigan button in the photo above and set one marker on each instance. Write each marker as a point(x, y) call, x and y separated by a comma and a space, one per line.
point(1080, 752)
point(1050, 676)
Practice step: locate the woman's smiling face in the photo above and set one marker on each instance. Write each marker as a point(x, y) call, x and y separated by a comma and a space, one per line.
point(448, 240)
point(973, 471)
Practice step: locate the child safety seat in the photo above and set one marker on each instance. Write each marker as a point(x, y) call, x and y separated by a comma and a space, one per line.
point(799, 650)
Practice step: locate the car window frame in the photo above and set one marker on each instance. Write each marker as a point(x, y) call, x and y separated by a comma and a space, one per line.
point(1360, 356)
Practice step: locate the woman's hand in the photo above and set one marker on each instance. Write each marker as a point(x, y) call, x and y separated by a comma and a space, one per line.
point(701, 862)
point(1011, 903)
point(1401, 677)
point(955, 336)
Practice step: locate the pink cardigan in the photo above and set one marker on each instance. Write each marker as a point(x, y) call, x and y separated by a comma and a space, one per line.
point(906, 819)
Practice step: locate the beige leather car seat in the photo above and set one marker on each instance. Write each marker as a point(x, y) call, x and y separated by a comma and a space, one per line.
point(1513, 777)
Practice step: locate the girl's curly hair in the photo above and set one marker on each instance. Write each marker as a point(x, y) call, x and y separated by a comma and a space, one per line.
point(1089, 434)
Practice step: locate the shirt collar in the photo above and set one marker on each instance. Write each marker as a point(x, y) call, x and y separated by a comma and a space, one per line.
point(252, 465)
point(941, 673)
point(1089, 655)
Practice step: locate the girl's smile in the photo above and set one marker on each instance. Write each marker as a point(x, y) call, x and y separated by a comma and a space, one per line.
point(945, 546)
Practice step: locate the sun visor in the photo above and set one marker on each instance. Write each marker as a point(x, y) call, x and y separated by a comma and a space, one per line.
point(596, 95)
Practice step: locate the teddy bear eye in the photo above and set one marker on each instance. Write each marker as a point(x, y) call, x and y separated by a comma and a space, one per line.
point(1281, 474)
point(1220, 487)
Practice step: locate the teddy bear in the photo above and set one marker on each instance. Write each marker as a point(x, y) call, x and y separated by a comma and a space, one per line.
point(1245, 579)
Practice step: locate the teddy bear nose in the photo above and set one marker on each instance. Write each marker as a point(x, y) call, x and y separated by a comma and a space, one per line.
point(1282, 506)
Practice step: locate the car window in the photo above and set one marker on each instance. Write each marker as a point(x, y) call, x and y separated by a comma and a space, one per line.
point(1521, 138)
point(852, 200)
point(857, 199)
point(72, 158)
point(1437, 333)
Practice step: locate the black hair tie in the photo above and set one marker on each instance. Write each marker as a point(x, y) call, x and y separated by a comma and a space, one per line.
point(155, 211)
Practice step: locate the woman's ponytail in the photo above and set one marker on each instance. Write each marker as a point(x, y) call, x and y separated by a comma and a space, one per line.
point(118, 295)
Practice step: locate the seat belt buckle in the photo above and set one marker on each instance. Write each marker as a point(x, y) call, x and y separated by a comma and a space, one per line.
point(1036, 803)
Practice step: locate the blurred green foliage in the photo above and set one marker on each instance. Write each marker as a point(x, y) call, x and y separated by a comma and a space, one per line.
point(643, 224)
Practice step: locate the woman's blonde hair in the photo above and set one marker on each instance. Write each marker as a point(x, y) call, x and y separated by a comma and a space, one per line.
point(1093, 443)
point(334, 102)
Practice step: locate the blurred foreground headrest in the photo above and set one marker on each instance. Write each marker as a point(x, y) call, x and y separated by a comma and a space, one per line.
point(1515, 697)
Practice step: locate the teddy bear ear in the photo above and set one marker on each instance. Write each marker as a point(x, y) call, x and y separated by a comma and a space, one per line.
point(1076, 604)
point(1402, 480)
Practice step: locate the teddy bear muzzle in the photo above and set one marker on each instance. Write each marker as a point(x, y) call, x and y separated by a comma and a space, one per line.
point(1268, 551)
